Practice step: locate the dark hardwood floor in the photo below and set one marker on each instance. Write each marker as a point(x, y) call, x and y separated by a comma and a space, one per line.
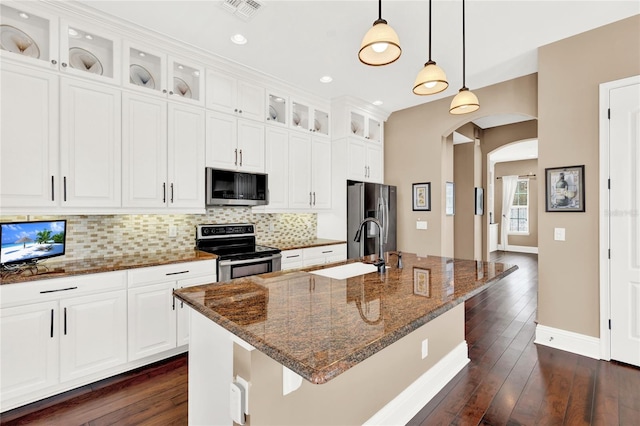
point(509, 381)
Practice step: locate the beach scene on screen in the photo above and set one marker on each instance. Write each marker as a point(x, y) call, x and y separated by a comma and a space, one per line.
point(31, 240)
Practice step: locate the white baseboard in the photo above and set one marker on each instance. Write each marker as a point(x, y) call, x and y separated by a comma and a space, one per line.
point(519, 249)
point(410, 401)
point(568, 341)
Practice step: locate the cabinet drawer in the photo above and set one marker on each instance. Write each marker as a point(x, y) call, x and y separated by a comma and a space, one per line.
point(57, 288)
point(176, 271)
point(292, 259)
point(325, 251)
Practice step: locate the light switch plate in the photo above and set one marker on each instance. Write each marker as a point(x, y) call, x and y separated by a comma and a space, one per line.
point(559, 234)
point(173, 231)
point(421, 224)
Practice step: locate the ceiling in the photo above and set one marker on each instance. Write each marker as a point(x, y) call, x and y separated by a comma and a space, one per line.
point(300, 41)
point(523, 150)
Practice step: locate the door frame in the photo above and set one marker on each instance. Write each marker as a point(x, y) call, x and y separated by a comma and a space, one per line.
point(605, 275)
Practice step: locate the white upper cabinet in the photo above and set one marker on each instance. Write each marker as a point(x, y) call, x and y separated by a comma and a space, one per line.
point(364, 126)
point(234, 143)
point(277, 167)
point(90, 144)
point(29, 167)
point(308, 118)
point(31, 34)
point(228, 94)
point(365, 160)
point(154, 72)
point(309, 172)
point(277, 109)
point(87, 51)
point(74, 48)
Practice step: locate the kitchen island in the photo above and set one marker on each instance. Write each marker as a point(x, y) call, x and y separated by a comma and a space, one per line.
point(317, 350)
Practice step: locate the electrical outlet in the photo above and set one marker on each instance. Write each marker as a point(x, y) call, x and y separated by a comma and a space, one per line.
point(272, 227)
point(425, 348)
point(173, 231)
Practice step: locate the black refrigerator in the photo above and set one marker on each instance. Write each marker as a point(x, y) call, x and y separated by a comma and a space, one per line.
point(370, 200)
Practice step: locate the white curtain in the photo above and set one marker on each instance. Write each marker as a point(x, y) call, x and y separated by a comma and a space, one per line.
point(509, 184)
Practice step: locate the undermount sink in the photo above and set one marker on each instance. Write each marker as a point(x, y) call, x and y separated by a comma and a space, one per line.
point(343, 272)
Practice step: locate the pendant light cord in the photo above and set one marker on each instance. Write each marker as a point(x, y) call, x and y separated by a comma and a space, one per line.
point(429, 30)
point(464, 73)
point(379, 9)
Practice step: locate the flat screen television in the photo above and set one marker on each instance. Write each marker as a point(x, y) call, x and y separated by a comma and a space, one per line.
point(30, 242)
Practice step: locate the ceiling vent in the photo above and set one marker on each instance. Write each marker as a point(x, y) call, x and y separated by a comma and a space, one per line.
point(243, 9)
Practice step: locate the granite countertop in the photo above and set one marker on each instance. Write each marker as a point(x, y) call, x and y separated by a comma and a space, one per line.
point(320, 327)
point(108, 264)
point(307, 243)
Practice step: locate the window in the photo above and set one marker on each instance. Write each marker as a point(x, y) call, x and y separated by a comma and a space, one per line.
point(520, 209)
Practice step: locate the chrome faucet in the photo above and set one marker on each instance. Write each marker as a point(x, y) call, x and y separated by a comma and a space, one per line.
point(380, 262)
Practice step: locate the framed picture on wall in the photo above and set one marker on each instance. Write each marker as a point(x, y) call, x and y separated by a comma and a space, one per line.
point(422, 196)
point(564, 189)
point(450, 199)
point(422, 282)
point(479, 193)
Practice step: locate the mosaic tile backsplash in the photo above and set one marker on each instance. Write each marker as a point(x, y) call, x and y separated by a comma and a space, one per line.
point(119, 235)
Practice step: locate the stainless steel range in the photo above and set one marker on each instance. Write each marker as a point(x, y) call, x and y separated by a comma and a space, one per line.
point(237, 251)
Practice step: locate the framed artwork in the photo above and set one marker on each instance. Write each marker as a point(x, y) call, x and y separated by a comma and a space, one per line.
point(422, 282)
point(479, 192)
point(450, 199)
point(422, 196)
point(564, 189)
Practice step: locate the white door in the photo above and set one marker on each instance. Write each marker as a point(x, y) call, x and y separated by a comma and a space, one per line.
point(152, 320)
point(625, 223)
point(144, 151)
point(29, 350)
point(250, 146)
point(321, 167)
point(93, 334)
point(186, 157)
point(277, 167)
point(90, 144)
point(222, 140)
point(299, 171)
point(28, 138)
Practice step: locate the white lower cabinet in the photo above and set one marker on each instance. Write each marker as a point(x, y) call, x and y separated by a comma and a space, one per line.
point(29, 350)
point(310, 256)
point(59, 330)
point(154, 318)
point(324, 254)
point(94, 334)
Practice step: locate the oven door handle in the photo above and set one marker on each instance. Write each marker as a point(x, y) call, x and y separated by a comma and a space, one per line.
point(249, 261)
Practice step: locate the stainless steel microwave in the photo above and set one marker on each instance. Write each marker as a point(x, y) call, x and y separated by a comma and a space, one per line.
point(231, 188)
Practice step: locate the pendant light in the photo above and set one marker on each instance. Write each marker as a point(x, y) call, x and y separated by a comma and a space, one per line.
point(431, 79)
point(465, 101)
point(380, 45)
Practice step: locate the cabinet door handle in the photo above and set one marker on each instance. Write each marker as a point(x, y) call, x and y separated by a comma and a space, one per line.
point(314, 198)
point(310, 200)
point(65, 321)
point(171, 92)
point(236, 151)
point(164, 90)
point(51, 333)
point(171, 192)
point(327, 251)
point(177, 273)
point(64, 185)
point(53, 198)
point(64, 65)
point(292, 256)
point(58, 289)
point(173, 303)
point(241, 154)
point(53, 61)
point(164, 192)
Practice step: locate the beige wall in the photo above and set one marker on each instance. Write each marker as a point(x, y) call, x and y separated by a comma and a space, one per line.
point(416, 151)
point(517, 168)
point(570, 72)
point(467, 171)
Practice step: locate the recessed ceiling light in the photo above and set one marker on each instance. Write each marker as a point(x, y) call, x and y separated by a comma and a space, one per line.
point(196, 73)
point(238, 39)
point(89, 37)
point(180, 67)
point(142, 54)
point(72, 32)
point(326, 79)
point(23, 15)
point(377, 103)
point(279, 99)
